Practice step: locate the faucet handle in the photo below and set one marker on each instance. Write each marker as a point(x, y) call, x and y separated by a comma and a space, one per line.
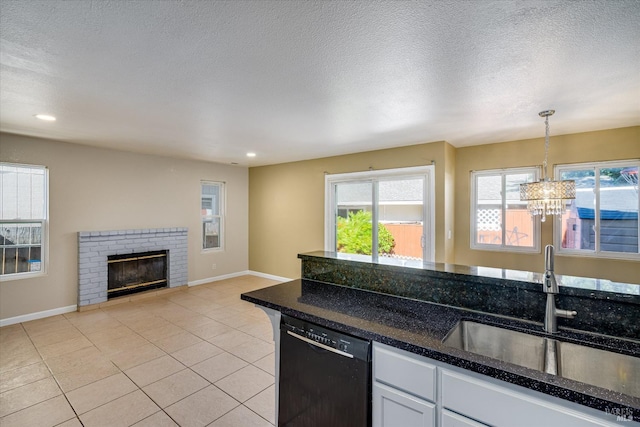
point(567, 314)
point(550, 282)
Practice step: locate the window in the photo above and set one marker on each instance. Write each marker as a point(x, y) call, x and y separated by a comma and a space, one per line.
point(212, 212)
point(602, 221)
point(383, 216)
point(499, 220)
point(23, 219)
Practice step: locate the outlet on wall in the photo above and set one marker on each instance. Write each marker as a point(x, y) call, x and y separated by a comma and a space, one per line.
point(214, 266)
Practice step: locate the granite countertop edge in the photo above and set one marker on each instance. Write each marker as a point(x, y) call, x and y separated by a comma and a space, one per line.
point(498, 276)
point(393, 321)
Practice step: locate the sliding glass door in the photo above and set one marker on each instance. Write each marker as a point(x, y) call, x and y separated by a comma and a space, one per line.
point(383, 216)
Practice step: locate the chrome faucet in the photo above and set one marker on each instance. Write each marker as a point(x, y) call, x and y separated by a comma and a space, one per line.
point(550, 287)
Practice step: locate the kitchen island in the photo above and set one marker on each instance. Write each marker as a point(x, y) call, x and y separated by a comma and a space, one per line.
point(409, 326)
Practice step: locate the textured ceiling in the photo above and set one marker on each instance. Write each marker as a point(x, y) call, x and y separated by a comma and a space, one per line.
point(294, 80)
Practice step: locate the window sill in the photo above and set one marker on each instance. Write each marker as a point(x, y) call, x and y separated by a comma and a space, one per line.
point(211, 250)
point(514, 249)
point(602, 255)
point(21, 276)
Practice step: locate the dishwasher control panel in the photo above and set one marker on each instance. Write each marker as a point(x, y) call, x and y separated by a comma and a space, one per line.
point(327, 337)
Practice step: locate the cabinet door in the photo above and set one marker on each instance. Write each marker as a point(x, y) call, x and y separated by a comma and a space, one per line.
point(504, 406)
point(392, 408)
point(451, 419)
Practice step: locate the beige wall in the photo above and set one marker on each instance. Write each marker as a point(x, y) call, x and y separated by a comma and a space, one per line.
point(98, 189)
point(275, 212)
point(615, 144)
point(286, 202)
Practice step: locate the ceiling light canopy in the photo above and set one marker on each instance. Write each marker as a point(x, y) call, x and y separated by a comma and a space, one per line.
point(251, 154)
point(45, 117)
point(546, 197)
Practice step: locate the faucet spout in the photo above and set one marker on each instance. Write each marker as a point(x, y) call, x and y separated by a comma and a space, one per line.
point(550, 282)
point(550, 287)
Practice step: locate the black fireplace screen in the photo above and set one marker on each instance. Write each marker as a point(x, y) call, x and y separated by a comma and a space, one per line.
point(131, 273)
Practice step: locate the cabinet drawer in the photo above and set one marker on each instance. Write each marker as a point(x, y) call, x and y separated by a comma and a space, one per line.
point(503, 407)
point(404, 371)
point(451, 419)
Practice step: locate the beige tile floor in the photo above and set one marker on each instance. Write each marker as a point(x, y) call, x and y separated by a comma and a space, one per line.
point(195, 357)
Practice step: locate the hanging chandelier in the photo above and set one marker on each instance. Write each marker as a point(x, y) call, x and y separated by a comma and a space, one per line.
point(546, 197)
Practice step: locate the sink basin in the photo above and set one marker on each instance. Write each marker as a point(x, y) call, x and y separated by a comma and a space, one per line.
point(601, 368)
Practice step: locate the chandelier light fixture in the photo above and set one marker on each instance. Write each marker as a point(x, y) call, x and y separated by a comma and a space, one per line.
point(546, 197)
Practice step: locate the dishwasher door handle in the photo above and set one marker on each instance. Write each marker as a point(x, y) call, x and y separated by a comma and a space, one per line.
point(322, 346)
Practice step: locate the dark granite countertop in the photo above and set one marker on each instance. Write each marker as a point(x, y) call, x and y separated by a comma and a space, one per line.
point(530, 280)
point(419, 327)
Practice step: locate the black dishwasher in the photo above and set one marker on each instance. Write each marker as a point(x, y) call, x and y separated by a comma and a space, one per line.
point(325, 377)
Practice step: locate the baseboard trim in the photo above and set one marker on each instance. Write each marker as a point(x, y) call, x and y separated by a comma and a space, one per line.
point(270, 276)
point(218, 278)
point(38, 315)
point(237, 274)
point(71, 308)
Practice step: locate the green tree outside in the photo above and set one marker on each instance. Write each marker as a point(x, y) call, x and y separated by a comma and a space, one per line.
point(354, 235)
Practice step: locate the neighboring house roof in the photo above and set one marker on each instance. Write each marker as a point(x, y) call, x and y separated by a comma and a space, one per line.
point(408, 191)
point(620, 202)
point(489, 192)
point(585, 213)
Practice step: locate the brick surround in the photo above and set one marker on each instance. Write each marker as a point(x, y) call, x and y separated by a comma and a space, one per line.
point(95, 246)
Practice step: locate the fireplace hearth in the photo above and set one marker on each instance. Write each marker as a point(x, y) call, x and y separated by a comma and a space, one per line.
point(137, 272)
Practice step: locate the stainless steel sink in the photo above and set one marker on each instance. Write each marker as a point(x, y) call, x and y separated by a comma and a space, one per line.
point(589, 365)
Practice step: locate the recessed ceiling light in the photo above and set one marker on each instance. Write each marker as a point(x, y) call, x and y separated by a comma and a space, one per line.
point(45, 117)
point(251, 154)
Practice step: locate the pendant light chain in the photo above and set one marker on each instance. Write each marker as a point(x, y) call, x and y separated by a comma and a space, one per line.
point(547, 197)
point(546, 148)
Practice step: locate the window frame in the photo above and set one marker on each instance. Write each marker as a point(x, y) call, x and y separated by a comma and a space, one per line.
point(502, 247)
point(44, 223)
point(557, 223)
point(221, 216)
point(429, 229)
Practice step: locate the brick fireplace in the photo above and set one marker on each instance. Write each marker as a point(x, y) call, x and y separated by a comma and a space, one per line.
point(96, 247)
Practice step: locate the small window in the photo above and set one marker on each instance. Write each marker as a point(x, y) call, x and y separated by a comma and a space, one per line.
point(499, 220)
point(23, 219)
point(212, 213)
point(602, 221)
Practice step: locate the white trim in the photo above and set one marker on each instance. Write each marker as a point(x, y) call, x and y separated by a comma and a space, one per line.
point(38, 315)
point(20, 276)
point(44, 251)
point(474, 203)
point(237, 274)
point(429, 213)
point(72, 308)
point(427, 172)
point(222, 213)
point(269, 276)
point(217, 278)
point(597, 253)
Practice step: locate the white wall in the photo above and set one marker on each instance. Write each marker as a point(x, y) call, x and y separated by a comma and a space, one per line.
point(98, 189)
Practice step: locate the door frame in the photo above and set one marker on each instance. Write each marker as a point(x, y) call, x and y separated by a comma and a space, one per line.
point(428, 205)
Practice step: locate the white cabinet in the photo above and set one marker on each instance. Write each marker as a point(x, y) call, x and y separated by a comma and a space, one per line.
point(506, 406)
point(393, 408)
point(404, 371)
point(411, 390)
point(404, 389)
